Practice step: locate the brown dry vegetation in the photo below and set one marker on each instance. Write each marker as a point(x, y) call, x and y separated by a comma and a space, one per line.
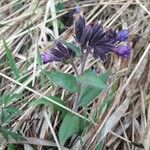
point(126, 123)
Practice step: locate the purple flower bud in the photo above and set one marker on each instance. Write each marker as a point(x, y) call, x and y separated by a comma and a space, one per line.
point(98, 53)
point(122, 35)
point(86, 35)
point(123, 50)
point(79, 27)
point(101, 51)
point(59, 53)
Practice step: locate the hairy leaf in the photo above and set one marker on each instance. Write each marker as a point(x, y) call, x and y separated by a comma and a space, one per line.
point(64, 80)
point(89, 93)
point(91, 79)
point(69, 127)
point(11, 60)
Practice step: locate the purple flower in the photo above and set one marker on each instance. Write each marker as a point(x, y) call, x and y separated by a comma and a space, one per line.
point(59, 53)
point(123, 50)
point(123, 35)
point(100, 41)
point(95, 38)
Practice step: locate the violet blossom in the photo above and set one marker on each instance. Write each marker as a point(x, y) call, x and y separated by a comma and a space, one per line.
point(98, 40)
point(95, 39)
point(123, 50)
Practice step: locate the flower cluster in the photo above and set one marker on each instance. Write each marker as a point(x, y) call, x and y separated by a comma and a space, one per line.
point(95, 39)
point(100, 41)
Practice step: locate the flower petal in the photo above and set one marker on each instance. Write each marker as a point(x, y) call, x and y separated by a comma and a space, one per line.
point(48, 57)
point(97, 26)
point(105, 47)
point(123, 35)
point(123, 50)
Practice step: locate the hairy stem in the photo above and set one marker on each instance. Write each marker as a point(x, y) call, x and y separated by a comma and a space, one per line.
point(83, 61)
point(74, 67)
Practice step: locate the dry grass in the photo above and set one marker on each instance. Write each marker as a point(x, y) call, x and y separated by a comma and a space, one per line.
point(126, 123)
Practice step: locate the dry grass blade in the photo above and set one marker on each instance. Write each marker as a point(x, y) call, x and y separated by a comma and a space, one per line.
point(113, 119)
point(111, 122)
point(51, 3)
point(52, 130)
point(146, 137)
point(36, 141)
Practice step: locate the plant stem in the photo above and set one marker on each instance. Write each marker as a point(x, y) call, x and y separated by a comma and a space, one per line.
point(83, 61)
point(74, 67)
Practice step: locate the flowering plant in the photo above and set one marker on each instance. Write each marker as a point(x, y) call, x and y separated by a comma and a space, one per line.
point(94, 40)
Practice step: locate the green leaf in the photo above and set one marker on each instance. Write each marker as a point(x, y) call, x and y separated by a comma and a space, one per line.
point(8, 113)
point(11, 147)
point(100, 146)
point(9, 98)
point(89, 93)
point(18, 5)
point(16, 136)
point(11, 60)
point(67, 81)
point(60, 24)
point(91, 79)
point(73, 47)
point(69, 127)
point(60, 6)
point(106, 103)
point(43, 101)
point(6, 134)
